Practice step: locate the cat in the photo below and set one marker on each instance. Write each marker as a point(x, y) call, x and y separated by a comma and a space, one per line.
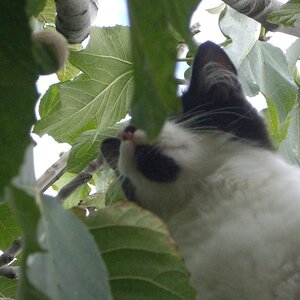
point(231, 203)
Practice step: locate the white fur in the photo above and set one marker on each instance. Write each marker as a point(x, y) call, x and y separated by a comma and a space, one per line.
point(234, 212)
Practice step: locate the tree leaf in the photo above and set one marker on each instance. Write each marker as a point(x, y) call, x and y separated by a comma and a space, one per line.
point(87, 147)
point(142, 261)
point(17, 88)
point(71, 264)
point(34, 7)
point(261, 66)
point(293, 54)
point(100, 96)
point(27, 215)
point(278, 131)
point(79, 194)
point(287, 15)
point(154, 49)
point(67, 72)
point(48, 13)
point(8, 227)
point(8, 288)
point(290, 148)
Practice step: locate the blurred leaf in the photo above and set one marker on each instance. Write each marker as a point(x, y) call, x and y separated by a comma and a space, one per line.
point(87, 147)
point(27, 215)
point(79, 194)
point(48, 13)
point(8, 288)
point(288, 14)
point(100, 96)
point(154, 49)
point(260, 64)
point(71, 264)
point(142, 261)
point(34, 7)
point(8, 227)
point(17, 88)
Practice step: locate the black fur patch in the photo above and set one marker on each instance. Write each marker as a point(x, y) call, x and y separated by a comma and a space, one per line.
point(154, 165)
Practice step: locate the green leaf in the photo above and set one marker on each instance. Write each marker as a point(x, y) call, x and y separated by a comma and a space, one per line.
point(67, 72)
point(71, 264)
point(99, 97)
point(114, 193)
point(27, 215)
point(154, 49)
point(142, 261)
point(290, 148)
point(50, 102)
point(277, 130)
point(87, 148)
point(262, 67)
point(48, 13)
point(293, 54)
point(8, 227)
point(34, 7)
point(8, 288)
point(287, 15)
point(17, 88)
point(79, 194)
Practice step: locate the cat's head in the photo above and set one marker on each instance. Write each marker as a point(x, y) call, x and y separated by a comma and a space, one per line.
point(216, 118)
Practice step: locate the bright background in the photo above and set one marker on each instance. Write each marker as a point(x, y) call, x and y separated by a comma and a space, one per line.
point(112, 12)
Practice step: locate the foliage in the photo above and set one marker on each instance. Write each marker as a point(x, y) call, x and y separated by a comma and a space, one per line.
point(119, 250)
point(287, 15)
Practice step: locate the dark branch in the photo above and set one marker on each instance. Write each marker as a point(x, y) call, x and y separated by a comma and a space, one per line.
point(9, 255)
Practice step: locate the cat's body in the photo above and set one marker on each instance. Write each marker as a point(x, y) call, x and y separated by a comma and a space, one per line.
point(231, 203)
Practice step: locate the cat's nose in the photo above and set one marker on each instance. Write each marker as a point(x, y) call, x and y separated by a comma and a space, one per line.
point(127, 134)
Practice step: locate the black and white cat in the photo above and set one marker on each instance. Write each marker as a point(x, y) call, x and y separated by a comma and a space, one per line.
point(231, 203)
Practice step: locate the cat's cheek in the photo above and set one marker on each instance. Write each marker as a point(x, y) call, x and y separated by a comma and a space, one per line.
point(126, 163)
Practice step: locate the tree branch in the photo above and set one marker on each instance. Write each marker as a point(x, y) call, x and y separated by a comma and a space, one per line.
point(259, 10)
point(9, 255)
point(53, 173)
point(74, 18)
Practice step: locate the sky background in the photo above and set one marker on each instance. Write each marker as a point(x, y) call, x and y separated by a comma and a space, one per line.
point(112, 12)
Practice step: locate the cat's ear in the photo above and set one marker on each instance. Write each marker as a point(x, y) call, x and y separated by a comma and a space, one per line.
point(110, 149)
point(214, 77)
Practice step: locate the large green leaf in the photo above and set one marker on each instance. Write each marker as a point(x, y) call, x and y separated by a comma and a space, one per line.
point(71, 264)
point(9, 229)
point(153, 24)
point(142, 261)
point(100, 96)
point(260, 64)
point(27, 215)
point(287, 15)
point(17, 88)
